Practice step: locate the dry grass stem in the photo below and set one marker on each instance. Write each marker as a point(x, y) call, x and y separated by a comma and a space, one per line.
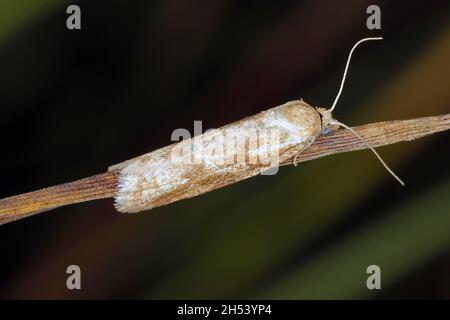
point(104, 185)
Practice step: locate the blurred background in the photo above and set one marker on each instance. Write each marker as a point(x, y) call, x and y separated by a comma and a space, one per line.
point(74, 102)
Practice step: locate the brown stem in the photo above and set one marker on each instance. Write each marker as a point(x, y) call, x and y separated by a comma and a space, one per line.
point(376, 134)
point(96, 187)
point(104, 185)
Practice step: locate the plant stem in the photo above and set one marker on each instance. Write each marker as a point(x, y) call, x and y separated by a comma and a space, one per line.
point(104, 185)
point(376, 134)
point(96, 187)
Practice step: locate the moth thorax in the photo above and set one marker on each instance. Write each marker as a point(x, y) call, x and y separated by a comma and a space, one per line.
point(302, 116)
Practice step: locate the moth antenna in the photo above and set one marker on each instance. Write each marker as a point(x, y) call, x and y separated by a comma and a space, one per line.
point(371, 148)
point(346, 69)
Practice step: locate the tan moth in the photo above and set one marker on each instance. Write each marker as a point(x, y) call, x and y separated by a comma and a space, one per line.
point(235, 152)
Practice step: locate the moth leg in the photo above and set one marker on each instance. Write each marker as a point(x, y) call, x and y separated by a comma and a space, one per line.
point(310, 142)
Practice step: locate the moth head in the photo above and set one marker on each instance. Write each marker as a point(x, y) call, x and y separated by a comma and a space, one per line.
point(329, 124)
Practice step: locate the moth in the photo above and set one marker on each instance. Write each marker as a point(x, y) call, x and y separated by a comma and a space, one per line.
point(183, 170)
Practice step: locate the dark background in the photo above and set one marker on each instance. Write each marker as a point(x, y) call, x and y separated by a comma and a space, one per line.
point(74, 102)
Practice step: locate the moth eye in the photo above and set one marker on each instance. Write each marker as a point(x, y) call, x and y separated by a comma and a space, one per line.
point(325, 130)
